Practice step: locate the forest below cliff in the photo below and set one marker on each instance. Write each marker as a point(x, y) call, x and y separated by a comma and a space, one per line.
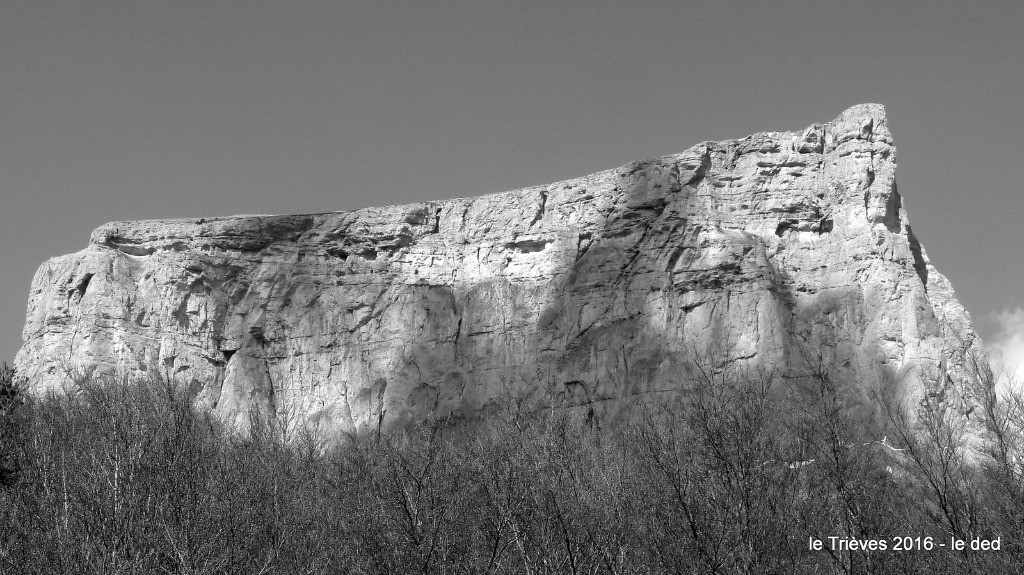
point(740, 475)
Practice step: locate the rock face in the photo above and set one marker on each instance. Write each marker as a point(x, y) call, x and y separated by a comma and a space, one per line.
point(596, 290)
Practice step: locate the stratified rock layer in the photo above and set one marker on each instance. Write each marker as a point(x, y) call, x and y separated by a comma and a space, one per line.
point(770, 249)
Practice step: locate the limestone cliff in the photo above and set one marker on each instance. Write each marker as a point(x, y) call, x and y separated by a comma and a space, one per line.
point(595, 290)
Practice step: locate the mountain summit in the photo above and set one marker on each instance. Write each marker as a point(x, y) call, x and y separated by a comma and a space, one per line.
point(774, 252)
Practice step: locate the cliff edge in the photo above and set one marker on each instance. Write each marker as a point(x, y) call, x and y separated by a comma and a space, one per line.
point(596, 290)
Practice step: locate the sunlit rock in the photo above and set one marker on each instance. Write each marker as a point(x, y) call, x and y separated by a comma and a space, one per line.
point(777, 252)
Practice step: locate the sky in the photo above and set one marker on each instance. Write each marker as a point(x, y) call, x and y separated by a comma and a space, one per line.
point(123, 110)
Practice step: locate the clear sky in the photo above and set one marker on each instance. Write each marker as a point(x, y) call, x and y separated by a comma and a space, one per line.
point(136, 109)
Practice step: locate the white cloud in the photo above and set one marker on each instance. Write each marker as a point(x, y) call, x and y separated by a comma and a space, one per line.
point(1006, 350)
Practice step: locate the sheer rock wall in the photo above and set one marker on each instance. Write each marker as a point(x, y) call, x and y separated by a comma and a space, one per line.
point(774, 249)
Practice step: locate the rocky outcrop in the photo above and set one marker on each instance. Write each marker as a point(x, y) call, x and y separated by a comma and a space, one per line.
point(596, 290)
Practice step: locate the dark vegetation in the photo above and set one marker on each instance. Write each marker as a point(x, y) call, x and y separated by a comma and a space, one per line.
point(734, 478)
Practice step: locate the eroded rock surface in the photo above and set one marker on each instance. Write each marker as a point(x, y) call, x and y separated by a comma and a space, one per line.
point(596, 290)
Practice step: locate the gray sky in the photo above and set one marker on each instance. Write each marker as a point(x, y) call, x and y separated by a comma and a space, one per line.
point(116, 110)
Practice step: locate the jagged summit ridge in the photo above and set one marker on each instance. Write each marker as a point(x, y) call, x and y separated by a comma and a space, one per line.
point(596, 290)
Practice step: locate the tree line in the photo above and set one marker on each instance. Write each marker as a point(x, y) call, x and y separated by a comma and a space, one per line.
point(738, 474)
